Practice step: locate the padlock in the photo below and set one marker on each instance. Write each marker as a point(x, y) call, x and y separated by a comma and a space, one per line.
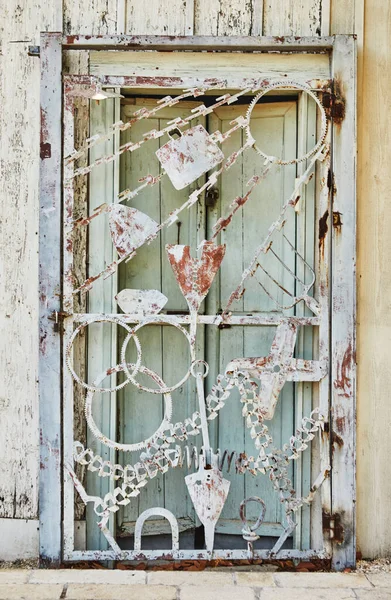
point(189, 156)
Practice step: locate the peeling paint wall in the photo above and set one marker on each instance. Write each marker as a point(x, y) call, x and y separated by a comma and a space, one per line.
point(21, 22)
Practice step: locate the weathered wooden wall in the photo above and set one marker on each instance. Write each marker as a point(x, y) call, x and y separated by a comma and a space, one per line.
point(20, 24)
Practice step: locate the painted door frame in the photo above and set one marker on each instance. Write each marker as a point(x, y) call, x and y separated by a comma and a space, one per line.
point(337, 229)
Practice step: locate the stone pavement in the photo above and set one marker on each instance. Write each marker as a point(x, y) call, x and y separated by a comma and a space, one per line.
point(69, 584)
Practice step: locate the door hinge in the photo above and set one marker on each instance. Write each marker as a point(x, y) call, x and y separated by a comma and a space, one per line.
point(332, 524)
point(334, 105)
point(58, 318)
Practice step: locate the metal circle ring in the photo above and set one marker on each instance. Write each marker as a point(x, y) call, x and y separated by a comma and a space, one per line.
point(195, 363)
point(139, 445)
point(94, 388)
point(131, 376)
point(283, 85)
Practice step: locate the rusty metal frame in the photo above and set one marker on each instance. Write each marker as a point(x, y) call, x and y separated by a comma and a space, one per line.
point(337, 240)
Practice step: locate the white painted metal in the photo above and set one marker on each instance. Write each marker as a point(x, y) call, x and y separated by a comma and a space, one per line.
point(154, 512)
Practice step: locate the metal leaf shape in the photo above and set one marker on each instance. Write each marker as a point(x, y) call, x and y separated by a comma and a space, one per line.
point(129, 228)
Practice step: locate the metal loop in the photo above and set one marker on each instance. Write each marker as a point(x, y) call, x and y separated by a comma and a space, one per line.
point(283, 85)
point(94, 388)
point(199, 362)
point(139, 445)
point(250, 529)
point(163, 319)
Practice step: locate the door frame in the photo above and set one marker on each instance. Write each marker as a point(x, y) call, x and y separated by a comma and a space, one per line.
point(337, 229)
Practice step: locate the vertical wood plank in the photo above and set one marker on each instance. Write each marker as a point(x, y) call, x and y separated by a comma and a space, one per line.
point(228, 17)
point(50, 285)
point(292, 17)
point(343, 338)
point(374, 284)
point(19, 289)
point(157, 18)
point(342, 17)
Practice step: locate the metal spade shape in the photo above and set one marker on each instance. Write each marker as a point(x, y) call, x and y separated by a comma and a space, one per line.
point(195, 275)
point(189, 156)
point(141, 302)
point(129, 228)
point(208, 491)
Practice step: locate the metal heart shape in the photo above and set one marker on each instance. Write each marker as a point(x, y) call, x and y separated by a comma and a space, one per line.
point(195, 275)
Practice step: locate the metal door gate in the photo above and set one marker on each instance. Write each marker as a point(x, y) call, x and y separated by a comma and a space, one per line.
point(89, 228)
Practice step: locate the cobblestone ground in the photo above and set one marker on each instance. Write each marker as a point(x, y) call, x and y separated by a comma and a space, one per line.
point(68, 584)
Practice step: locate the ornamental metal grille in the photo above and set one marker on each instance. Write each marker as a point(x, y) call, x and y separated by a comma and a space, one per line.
point(150, 167)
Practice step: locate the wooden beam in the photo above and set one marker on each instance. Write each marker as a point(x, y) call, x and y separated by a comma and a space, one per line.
point(201, 43)
point(50, 289)
point(343, 305)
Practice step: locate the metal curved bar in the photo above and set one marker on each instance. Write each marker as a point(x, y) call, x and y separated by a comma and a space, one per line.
point(161, 512)
point(139, 445)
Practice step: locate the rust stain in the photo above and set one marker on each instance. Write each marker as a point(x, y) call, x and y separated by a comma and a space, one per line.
point(337, 222)
point(195, 276)
point(340, 423)
point(323, 229)
point(332, 524)
point(343, 382)
point(334, 103)
point(337, 439)
point(45, 146)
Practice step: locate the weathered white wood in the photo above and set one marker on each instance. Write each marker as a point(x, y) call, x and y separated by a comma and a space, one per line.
point(201, 555)
point(99, 18)
point(228, 17)
point(342, 16)
point(20, 539)
point(157, 18)
point(343, 305)
point(193, 67)
point(292, 17)
point(50, 433)
point(19, 297)
point(244, 43)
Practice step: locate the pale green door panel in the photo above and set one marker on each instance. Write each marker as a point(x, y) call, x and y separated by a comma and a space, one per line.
point(165, 349)
point(281, 127)
point(274, 126)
